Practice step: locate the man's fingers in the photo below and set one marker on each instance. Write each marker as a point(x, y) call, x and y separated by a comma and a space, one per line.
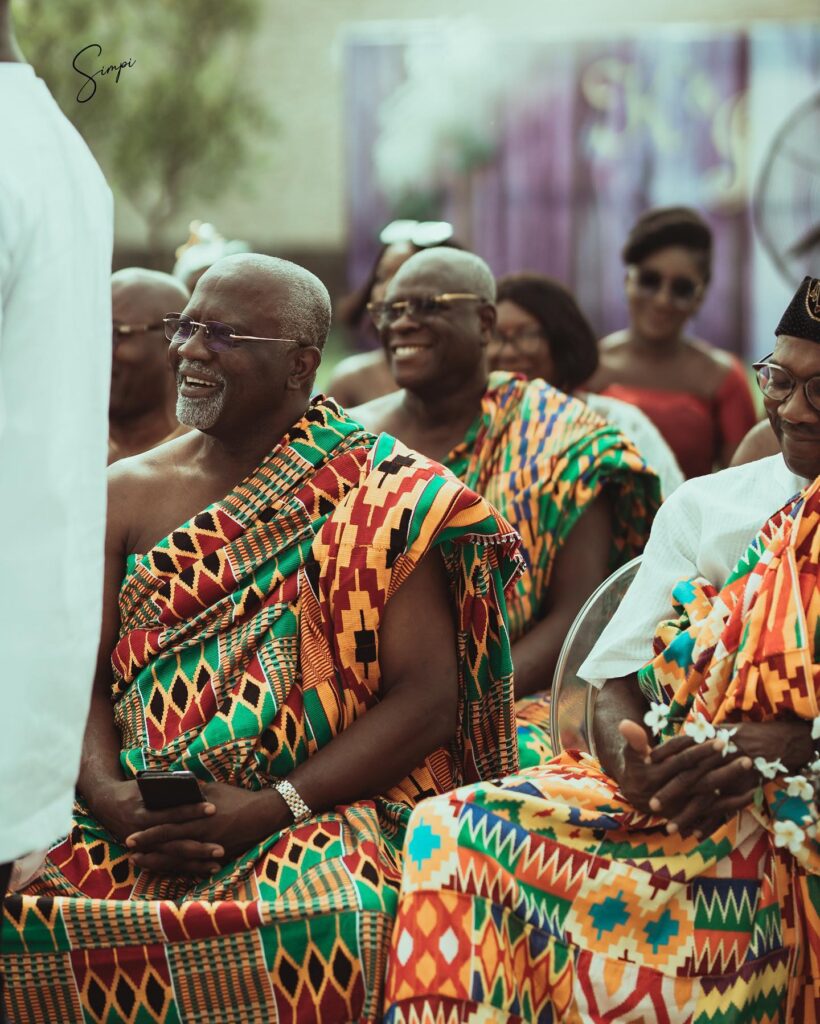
point(177, 815)
point(164, 864)
point(728, 779)
point(157, 835)
point(635, 736)
point(681, 776)
point(666, 749)
point(702, 815)
point(190, 849)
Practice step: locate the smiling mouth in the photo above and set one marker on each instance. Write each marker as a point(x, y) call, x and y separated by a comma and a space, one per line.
point(193, 386)
point(403, 351)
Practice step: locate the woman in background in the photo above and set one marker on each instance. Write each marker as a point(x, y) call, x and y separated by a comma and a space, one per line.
point(541, 332)
point(697, 395)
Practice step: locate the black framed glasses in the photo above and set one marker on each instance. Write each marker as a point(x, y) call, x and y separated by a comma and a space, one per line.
point(778, 384)
point(216, 336)
point(684, 292)
point(528, 341)
point(419, 307)
point(122, 332)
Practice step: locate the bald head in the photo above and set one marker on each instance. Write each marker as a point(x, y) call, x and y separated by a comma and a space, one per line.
point(149, 291)
point(452, 270)
point(284, 295)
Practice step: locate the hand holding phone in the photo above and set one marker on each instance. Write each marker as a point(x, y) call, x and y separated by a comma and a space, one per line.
point(162, 789)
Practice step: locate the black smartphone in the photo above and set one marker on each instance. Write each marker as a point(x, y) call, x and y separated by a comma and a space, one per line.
point(163, 789)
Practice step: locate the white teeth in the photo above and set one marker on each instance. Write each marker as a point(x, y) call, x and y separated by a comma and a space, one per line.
point(200, 381)
point(407, 350)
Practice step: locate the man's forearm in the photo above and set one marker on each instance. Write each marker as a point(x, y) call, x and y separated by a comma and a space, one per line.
point(100, 764)
point(536, 654)
point(619, 699)
point(375, 752)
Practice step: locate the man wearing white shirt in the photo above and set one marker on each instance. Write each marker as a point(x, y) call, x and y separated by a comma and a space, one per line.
point(703, 530)
point(56, 226)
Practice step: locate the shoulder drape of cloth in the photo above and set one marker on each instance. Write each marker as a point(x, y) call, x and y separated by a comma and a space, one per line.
point(249, 639)
point(566, 903)
point(542, 457)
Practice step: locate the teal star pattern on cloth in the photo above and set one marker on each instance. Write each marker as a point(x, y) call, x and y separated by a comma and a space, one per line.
point(423, 843)
point(658, 933)
point(609, 914)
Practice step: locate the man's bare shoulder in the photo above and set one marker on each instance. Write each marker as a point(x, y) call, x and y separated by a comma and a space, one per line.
point(378, 414)
point(138, 475)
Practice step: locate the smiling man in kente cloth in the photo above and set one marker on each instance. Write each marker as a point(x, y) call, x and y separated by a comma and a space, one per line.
point(309, 618)
point(574, 487)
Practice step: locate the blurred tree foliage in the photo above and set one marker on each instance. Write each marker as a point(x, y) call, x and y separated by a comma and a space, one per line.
point(180, 124)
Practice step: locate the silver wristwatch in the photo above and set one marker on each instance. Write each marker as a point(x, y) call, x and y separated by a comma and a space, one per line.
point(298, 808)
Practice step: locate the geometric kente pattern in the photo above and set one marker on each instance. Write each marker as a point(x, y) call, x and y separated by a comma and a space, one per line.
point(546, 897)
point(541, 458)
point(250, 639)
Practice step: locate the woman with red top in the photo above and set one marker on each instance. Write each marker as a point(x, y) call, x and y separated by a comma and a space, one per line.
point(697, 395)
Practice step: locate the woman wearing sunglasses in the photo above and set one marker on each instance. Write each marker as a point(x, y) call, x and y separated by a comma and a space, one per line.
point(697, 395)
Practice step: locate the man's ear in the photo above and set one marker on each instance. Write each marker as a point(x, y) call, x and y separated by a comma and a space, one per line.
point(304, 362)
point(488, 317)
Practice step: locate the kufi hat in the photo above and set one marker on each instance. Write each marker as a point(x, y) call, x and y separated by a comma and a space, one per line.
point(802, 316)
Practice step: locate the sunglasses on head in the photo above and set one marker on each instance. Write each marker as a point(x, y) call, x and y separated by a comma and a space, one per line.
point(683, 291)
point(216, 336)
point(778, 384)
point(418, 307)
point(421, 233)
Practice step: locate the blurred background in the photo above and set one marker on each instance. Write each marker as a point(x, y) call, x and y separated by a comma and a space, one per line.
point(540, 130)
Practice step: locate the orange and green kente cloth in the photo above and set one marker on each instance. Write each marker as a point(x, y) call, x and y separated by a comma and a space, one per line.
point(541, 457)
point(546, 897)
point(249, 640)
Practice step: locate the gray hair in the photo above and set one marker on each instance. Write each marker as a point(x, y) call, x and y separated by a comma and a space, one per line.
point(454, 269)
point(304, 312)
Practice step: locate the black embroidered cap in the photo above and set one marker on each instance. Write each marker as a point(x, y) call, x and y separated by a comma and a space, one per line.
point(802, 316)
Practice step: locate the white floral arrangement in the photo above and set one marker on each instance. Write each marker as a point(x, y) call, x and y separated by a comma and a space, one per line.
point(795, 811)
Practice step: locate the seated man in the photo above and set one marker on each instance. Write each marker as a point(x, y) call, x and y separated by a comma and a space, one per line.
point(576, 490)
point(675, 881)
point(143, 392)
point(262, 628)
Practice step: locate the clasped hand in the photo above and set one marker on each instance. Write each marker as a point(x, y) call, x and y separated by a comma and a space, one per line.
point(193, 839)
point(693, 785)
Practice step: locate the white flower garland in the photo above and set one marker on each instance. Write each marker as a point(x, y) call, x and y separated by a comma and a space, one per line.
point(794, 835)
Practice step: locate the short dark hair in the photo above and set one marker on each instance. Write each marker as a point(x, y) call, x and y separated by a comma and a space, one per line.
point(572, 342)
point(667, 226)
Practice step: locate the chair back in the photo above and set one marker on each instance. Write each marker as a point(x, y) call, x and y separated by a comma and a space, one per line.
point(573, 700)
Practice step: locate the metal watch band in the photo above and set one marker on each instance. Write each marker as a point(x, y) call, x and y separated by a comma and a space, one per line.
point(298, 808)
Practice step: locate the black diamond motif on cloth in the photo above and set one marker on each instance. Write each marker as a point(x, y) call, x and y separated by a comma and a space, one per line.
point(188, 576)
point(267, 514)
point(96, 997)
point(205, 521)
point(342, 968)
point(393, 465)
point(182, 542)
point(163, 562)
point(288, 975)
point(326, 506)
point(252, 600)
point(321, 840)
point(272, 870)
point(294, 854)
point(290, 730)
point(297, 434)
point(202, 677)
point(179, 693)
point(370, 873)
point(156, 705)
point(251, 692)
point(365, 641)
point(125, 996)
point(120, 871)
point(156, 995)
point(211, 562)
point(313, 571)
point(97, 853)
point(398, 538)
point(316, 972)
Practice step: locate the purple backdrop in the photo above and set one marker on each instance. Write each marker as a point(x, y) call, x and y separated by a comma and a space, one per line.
point(598, 132)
